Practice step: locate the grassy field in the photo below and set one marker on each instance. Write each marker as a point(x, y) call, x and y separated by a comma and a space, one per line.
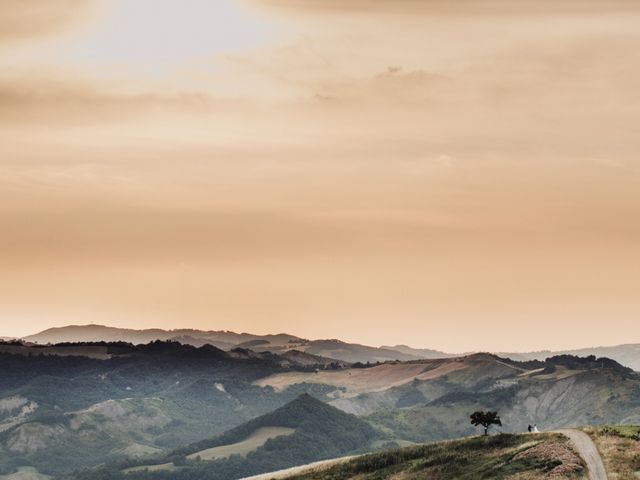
point(253, 441)
point(249, 444)
point(360, 380)
point(619, 447)
point(512, 457)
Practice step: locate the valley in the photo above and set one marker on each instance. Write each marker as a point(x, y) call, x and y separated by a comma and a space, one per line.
point(203, 412)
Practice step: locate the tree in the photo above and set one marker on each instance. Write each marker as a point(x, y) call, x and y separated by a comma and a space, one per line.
point(486, 419)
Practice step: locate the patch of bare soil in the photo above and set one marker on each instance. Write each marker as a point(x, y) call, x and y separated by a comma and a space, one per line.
point(554, 451)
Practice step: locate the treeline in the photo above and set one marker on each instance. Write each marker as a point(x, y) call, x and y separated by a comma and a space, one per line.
point(590, 362)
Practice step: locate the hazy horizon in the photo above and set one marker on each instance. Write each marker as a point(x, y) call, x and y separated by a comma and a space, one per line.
point(349, 340)
point(451, 175)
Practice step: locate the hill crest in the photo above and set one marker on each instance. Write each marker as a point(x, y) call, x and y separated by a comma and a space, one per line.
point(625, 354)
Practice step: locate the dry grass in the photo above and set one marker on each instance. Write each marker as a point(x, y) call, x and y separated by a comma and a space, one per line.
point(531, 476)
point(503, 457)
point(621, 455)
point(361, 380)
point(560, 373)
point(554, 451)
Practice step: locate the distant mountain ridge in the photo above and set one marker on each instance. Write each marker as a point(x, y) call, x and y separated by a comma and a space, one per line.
point(226, 340)
point(96, 333)
point(627, 354)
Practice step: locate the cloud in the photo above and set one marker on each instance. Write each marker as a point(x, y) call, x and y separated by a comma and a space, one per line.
point(370, 166)
point(21, 19)
point(39, 99)
point(392, 85)
point(457, 7)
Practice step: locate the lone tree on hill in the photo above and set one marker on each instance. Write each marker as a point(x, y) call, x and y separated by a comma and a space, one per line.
point(486, 419)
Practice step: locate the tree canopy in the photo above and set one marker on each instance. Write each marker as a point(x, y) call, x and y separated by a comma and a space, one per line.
point(486, 419)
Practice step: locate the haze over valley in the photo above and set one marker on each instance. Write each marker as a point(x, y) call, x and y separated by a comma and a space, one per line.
point(120, 408)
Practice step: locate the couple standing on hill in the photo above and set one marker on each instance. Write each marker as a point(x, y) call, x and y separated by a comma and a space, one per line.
point(533, 429)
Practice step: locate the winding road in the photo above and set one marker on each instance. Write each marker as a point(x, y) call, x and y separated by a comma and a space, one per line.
point(589, 453)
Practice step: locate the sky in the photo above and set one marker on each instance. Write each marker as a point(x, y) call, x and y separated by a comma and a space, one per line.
point(460, 175)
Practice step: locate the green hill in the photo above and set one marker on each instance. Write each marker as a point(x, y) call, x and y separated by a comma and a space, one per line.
point(304, 430)
point(60, 413)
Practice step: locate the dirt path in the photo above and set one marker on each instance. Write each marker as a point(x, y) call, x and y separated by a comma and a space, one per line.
point(589, 453)
point(321, 465)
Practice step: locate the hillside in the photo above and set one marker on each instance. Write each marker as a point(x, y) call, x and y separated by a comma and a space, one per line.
point(302, 431)
point(63, 412)
point(495, 457)
point(566, 392)
point(628, 355)
point(123, 402)
point(429, 400)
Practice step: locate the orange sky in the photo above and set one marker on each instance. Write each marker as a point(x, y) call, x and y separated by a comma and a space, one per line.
point(455, 175)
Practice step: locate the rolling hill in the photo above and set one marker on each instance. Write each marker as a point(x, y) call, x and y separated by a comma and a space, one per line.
point(304, 430)
point(594, 452)
point(100, 333)
point(115, 402)
point(226, 340)
point(429, 399)
point(64, 412)
point(628, 355)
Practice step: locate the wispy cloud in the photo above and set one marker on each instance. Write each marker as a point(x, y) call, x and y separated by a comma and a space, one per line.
point(458, 7)
point(376, 161)
point(21, 20)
